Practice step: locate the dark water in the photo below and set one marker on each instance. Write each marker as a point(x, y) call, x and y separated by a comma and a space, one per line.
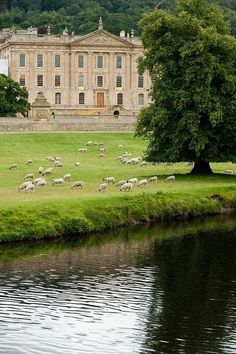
point(164, 289)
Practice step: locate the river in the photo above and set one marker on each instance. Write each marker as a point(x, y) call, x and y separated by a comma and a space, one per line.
point(161, 289)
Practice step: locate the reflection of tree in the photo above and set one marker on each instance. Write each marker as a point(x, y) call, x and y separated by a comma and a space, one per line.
point(194, 284)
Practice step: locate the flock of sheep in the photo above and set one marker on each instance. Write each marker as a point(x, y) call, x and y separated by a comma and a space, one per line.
point(31, 182)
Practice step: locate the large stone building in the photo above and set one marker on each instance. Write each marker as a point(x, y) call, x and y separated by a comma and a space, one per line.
point(78, 74)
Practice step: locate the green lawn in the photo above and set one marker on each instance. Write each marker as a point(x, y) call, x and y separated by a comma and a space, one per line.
point(19, 147)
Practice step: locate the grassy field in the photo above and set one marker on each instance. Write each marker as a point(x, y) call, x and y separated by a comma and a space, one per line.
point(18, 148)
point(52, 211)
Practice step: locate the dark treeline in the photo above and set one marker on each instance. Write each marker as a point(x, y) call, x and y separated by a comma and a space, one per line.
point(81, 16)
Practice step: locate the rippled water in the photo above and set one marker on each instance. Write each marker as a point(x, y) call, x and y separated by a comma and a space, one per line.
point(166, 289)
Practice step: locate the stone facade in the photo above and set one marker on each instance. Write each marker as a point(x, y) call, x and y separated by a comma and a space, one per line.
point(87, 75)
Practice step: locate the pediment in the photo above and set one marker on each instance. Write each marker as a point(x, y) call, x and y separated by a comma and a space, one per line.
point(101, 37)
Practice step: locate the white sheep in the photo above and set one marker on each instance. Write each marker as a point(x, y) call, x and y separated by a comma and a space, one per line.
point(100, 156)
point(77, 185)
point(35, 181)
point(120, 146)
point(58, 164)
point(13, 166)
point(109, 180)
point(102, 149)
point(121, 182)
point(23, 186)
point(29, 162)
point(144, 163)
point(40, 170)
point(103, 187)
point(133, 180)
point(30, 188)
point(29, 176)
point(48, 171)
point(142, 183)
point(77, 164)
point(89, 143)
point(67, 177)
point(170, 179)
point(126, 186)
point(41, 183)
point(153, 179)
point(83, 150)
point(58, 182)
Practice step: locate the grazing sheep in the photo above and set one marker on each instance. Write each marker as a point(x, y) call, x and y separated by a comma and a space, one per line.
point(170, 179)
point(29, 162)
point(35, 181)
point(100, 156)
point(13, 166)
point(120, 146)
point(77, 185)
point(133, 180)
point(229, 172)
point(169, 163)
point(102, 149)
point(109, 180)
point(144, 163)
point(77, 164)
point(67, 177)
point(83, 150)
point(126, 187)
point(50, 158)
point(41, 183)
point(47, 172)
point(103, 187)
point(142, 183)
point(58, 182)
point(29, 176)
point(40, 170)
point(30, 188)
point(58, 164)
point(121, 182)
point(23, 186)
point(89, 143)
point(153, 179)
point(190, 163)
point(100, 144)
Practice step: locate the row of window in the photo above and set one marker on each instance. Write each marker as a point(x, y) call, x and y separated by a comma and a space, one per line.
point(57, 61)
point(99, 81)
point(120, 98)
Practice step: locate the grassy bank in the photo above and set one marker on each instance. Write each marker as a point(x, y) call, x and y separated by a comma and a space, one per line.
point(56, 211)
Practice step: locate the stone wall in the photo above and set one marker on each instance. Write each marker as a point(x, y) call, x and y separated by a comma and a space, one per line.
point(64, 123)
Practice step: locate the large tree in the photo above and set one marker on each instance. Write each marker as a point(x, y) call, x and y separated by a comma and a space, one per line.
point(13, 97)
point(191, 59)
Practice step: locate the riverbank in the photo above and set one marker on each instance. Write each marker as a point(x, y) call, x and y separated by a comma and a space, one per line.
point(76, 217)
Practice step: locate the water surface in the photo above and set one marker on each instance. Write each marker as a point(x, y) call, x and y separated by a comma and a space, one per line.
point(164, 289)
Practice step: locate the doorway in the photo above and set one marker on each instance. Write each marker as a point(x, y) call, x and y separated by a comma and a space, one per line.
point(100, 99)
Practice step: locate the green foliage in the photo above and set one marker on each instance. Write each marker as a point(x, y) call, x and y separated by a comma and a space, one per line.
point(191, 60)
point(13, 98)
point(82, 16)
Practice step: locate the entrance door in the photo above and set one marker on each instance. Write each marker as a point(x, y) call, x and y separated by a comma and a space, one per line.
point(100, 99)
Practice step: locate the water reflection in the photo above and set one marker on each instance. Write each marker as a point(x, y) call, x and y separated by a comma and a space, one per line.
point(164, 289)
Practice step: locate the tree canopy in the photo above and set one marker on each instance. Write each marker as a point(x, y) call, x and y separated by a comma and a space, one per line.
point(13, 98)
point(81, 16)
point(190, 56)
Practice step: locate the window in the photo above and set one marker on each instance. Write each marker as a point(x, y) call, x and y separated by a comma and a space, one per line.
point(81, 81)
point(57, 61)
point(118, 62)
point(120, 98)
point(40, 80)
point(22, 80)
point(57, 80)
point(39, 60)
point(22, 60)
point(140, 81)
point(81, 98)
point(141, 99)
point(99, 61)
point(80, 61)
point(58, 98)
point(99, 81)
point(119, 81)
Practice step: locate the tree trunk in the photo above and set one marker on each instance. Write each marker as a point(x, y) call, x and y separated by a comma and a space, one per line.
point(201, 167)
